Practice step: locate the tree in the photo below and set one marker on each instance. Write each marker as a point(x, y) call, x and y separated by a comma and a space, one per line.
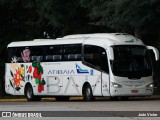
point(62, 17)
point(138, 17)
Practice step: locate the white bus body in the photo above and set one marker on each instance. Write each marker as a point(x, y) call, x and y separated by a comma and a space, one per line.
point(85, 65)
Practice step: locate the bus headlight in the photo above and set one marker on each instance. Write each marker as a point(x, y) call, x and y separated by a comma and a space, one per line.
point(115, 85)
point(151, 85)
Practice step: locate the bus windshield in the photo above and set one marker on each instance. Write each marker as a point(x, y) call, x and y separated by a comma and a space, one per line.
point(132, 61)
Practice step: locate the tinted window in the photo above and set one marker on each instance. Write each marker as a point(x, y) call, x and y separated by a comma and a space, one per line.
point(54, 53)
point(104, 60)
point(11, 54)
point(36, 53)
point(72, 52)
point(15, 54)
point(92, 55)
point(25, 54)
point(131, 61)
point(96, 57)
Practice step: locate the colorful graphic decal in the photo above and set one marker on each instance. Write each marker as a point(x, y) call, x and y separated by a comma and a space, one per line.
point(29, 69)
point(21, 73)
point(83, 71)
point(33, 71)
point(37, 75)
point(29, 75)
point(14, 59)
point(17, 76)
point(91, 72)
point(80, 70)
point(25, 54)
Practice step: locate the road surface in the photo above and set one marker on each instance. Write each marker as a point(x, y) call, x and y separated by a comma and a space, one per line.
point(76, 109)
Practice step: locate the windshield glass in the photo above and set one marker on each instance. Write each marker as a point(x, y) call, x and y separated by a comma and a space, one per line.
point(131, 61)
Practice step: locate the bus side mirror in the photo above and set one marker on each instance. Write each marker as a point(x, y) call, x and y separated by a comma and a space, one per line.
point(111, 54)
point(155, 51)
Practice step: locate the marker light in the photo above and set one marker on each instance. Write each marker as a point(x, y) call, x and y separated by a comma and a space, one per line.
point(115, 85)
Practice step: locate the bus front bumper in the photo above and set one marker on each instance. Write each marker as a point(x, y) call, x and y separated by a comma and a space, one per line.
point(131, 92)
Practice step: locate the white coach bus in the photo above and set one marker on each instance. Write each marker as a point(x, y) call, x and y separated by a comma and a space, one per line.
point(89, 65)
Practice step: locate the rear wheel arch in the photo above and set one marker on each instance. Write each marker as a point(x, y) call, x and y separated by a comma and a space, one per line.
point(26, 86)
point(29, 94)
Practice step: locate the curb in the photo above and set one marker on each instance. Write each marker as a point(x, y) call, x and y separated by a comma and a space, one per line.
point(11, 99)
point(43, 99)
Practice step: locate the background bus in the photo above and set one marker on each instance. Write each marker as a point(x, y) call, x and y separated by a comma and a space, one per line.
point(89, 65)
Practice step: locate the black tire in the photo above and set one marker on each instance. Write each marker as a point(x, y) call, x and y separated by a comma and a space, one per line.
point(124, 98)
point(37, 98)
point(30, 95)
point(87, 93)
point(114, 98)
point(62, 98)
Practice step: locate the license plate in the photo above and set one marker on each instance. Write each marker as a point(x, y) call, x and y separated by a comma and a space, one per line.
point(134, 91)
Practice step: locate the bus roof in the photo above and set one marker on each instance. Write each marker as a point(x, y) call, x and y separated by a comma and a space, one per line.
point(108, 39)
point(98, 35)
point(115, 38)
point(39, 42)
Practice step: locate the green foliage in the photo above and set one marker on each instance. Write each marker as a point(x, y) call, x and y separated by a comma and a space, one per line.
point(138, 17)
point(30, 19)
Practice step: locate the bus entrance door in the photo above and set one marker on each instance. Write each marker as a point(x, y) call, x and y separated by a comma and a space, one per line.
point(105, 84)
point(105, 74)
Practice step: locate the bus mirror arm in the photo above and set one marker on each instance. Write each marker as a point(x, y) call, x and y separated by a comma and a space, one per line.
point(156, 52)
point(111, 54)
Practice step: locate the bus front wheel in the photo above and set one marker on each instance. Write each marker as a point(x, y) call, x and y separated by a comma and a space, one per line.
point(124, 98)
point(87, 93)
point(114, 98)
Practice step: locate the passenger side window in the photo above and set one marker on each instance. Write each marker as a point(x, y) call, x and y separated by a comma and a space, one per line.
point(92, 55)
point(53, 53)
point(72, 52)
point(25, 54)
point(15, 54)
point(96, 57)
point(36, 53)
point(12, 56)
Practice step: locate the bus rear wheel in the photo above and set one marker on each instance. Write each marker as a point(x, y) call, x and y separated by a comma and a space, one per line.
point(30, 95)
point(87, 93)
